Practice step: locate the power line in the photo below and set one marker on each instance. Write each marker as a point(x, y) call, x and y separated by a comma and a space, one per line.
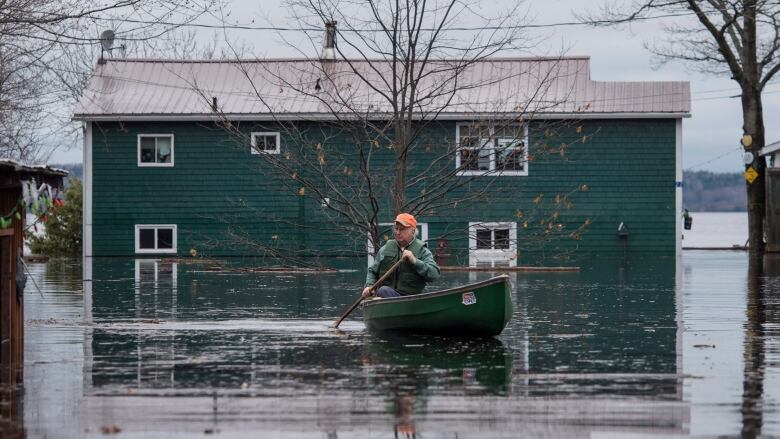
point(238, 26)
point(731, 151)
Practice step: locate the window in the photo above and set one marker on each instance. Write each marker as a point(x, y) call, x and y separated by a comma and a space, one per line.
point(265, 143)
point(155, 150)
point(492, 244)
point(492, 239)
point(155, 238)
point(492, 149)
point(474, 148)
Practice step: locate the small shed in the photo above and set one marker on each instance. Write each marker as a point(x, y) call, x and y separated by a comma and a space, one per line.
point(772, 219)
point(21, 187)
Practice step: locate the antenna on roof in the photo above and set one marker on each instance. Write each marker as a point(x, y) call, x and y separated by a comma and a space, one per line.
point(107, 44)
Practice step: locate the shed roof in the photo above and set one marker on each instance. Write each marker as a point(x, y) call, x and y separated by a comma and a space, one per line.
point(146, 89)
point(16, 166)
point(770, 149)
point(12, 172)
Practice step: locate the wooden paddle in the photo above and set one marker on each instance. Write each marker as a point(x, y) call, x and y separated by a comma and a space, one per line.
point(373, 287)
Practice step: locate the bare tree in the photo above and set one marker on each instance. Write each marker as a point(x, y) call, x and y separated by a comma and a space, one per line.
point(739, 38)
point(47, 52)
point(384, 94)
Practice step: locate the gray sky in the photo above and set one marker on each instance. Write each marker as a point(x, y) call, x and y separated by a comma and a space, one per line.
point(710, 137)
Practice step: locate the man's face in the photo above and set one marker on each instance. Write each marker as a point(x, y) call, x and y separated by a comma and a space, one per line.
point(404, 235)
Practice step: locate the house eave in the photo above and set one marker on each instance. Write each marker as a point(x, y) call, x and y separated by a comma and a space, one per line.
point(770, 149)
point(331, 117)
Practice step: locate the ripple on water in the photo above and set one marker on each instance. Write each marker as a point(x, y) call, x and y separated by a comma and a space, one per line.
point(608, 349)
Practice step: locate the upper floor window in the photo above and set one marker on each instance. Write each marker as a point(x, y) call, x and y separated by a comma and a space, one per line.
point(492, 149)
point(155, 150)
point(266, 143)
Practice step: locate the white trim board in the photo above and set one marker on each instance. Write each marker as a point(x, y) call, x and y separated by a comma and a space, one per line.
point(330, 117)
point(678, 189)
point(87, 194)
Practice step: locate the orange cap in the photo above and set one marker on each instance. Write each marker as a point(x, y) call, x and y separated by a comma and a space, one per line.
point(406, 220)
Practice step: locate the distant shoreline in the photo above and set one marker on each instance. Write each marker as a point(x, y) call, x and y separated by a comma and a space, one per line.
point(705, 191)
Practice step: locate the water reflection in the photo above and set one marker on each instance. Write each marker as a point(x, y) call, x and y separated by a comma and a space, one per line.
point(603, 320)
point(606, 319)
point(257, 347)
point(759, 284)
point(452, 365)
point(11, 410)
point(270, 360)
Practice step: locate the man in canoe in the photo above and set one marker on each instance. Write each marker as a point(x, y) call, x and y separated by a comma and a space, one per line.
point(416, 269)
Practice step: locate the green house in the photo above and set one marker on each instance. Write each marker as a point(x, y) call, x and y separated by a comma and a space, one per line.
point(518, 161)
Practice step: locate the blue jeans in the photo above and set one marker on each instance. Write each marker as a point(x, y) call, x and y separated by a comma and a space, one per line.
point(385, 291)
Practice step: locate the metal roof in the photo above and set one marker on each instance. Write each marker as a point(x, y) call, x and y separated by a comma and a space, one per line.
point(769, 149)
point(145, 89)
point(9, 165)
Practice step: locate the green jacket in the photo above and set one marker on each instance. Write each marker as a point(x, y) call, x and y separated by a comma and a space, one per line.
point(407, 279)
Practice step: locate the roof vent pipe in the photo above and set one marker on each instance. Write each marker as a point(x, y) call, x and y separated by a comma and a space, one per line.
point(214, 107)
point(329, 48)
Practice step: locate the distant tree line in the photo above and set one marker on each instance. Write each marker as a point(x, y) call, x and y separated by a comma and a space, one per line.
point(706, 191)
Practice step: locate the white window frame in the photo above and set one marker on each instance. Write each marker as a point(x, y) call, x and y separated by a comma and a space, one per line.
point(156, 227)
point(154, 165)
point(257, 134)
point(492, 152)
point(506, 257)
point(423, 236)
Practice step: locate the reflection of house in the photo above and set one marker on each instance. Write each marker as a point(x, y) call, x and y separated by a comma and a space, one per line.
point(163, 176)
point(177, 347)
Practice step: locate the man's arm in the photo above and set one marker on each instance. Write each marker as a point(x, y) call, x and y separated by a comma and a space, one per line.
point(426, 266)
point(373, 270)
point(373, 273)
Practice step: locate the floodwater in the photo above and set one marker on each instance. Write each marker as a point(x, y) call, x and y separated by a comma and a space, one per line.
point(716, 230)
point(146, 348)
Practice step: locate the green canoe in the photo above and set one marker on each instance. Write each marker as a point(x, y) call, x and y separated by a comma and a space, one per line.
point(482, 309)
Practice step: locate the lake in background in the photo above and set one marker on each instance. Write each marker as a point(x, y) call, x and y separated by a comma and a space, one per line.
point(716, 230)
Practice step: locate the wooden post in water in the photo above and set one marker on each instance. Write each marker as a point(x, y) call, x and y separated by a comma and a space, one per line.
point(11, 306)
point(11, 336)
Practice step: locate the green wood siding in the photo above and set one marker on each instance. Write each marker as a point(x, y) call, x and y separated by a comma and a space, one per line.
point(217, 188)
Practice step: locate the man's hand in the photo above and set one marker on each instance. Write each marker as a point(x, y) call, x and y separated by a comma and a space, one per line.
point(409, 256)
point(366, 292)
